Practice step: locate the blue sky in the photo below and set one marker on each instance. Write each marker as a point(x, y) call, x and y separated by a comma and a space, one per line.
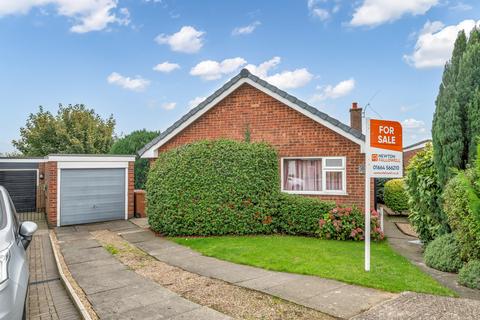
point(146, 61)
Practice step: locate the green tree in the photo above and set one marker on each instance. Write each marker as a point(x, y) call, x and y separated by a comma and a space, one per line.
point(448, 128)
point(74, 129)
point(130, 144)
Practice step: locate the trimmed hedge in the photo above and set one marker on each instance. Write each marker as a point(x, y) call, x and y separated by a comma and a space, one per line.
point(299, 215)
point(469, 275)
point(460, 215)
point(214, 188)
point(395, 195)
point(443, 254)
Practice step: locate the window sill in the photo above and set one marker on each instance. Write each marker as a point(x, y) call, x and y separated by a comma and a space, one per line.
point(317, 193)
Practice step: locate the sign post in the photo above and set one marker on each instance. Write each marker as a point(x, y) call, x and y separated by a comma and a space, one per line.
point(383, 159)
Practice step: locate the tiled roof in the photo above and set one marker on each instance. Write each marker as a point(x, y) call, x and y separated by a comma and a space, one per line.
point(246, 74)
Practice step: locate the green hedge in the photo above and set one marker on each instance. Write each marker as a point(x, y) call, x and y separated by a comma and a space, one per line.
point(298, 215)
point(443, 254)
point(469, 275)
point(395, 195)
point(460, 215)
point(214, 188)
point(424, 197)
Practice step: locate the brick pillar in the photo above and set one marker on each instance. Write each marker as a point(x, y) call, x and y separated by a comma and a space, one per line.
point(131, 186)
point(51, 201)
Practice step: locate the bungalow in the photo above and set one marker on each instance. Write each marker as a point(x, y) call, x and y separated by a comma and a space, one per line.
point(318, 155)
point(410, 151)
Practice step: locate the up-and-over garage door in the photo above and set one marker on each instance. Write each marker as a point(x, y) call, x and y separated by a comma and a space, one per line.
point(91, 195)
point(22, 187)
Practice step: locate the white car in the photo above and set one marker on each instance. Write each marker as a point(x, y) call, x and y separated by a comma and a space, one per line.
point(14, 240)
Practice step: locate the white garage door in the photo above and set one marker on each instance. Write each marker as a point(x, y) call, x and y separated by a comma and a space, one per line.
point(91, 195)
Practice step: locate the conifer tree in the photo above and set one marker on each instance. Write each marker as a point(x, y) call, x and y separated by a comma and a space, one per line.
point(448, 128)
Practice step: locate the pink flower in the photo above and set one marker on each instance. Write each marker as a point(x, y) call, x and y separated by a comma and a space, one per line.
point(322, 222)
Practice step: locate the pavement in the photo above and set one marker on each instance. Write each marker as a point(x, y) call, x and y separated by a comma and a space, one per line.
point(114, 291)
point(47, 297)
point(328, 296)
point(411, 249)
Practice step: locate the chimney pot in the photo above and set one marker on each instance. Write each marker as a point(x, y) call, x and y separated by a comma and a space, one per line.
point(356, 117)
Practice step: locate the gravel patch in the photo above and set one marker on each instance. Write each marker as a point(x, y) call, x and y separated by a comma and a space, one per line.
point(237, 302)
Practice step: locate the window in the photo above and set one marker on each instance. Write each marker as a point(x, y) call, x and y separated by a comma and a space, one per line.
point(314, 175)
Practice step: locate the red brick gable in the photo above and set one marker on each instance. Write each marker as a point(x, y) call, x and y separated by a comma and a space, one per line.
point(291, 133)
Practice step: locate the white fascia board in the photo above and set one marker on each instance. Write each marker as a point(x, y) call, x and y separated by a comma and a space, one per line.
point(91, 165)
point(74, 158)
point(152, 152)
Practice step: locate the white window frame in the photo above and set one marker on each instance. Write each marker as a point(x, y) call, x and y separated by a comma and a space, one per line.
point(325, 169)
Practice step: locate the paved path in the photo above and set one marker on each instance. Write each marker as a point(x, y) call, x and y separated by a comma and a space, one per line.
point(328, 296)
point(417, 306)
point(116, 292)
point(47, 298)
point(414, 252)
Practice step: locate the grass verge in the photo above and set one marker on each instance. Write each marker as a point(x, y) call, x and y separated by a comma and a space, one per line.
point(340, 260)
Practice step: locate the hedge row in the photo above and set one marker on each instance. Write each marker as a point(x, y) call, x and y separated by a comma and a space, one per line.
point(395, 195)
point(227, 187)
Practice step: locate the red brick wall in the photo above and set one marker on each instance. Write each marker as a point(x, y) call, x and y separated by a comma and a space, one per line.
point(291, 133)
point(131, 185)
point(51, 192)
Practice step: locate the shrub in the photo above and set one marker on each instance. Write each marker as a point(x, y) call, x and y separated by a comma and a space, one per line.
point(460, 215)
point(424, 197)
point(345, 223)
point(299, 215)
point(443, 253)
point(395, 195)
point(469, 275)
point(214, 188)
point(380, 189)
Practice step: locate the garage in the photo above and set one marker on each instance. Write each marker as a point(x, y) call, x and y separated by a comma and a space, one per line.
point(92, 195)
point(21, 179)
point(88, 188)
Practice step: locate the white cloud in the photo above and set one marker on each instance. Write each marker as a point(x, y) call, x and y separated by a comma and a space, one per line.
point(166, 67)
point(187, 40)
point(212, 70)
point(435, 43)
point(341, 89)
point(246, 29)
point(316, 9)
point(134, 84)
point(285, 79)
point(195, 102)
point(414, 130)
point(169, 105)
point(376, 12)
point(88, 15)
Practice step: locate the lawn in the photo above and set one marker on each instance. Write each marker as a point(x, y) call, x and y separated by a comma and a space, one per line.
point(340, 260)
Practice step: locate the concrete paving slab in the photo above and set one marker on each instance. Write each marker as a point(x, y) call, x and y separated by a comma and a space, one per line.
point(203, 313)
point(84, 255)
point(165, 309)
point(74, 236)
point(141, 236)
point(84, 244)
point(120, 300)
point(92, 283)
point(272, 279)
point(156, 244)
point(359, 298)
point(96, 266)
point(300, 289)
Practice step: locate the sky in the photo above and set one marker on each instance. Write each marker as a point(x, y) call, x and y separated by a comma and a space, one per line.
point(148, 62)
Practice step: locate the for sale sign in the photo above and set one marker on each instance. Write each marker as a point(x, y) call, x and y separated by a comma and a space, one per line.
point(384, 149)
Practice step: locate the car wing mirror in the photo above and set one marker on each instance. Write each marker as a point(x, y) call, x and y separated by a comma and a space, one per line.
point(27, 229)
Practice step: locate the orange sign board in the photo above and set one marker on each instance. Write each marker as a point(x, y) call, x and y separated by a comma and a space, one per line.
point(385, 134)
